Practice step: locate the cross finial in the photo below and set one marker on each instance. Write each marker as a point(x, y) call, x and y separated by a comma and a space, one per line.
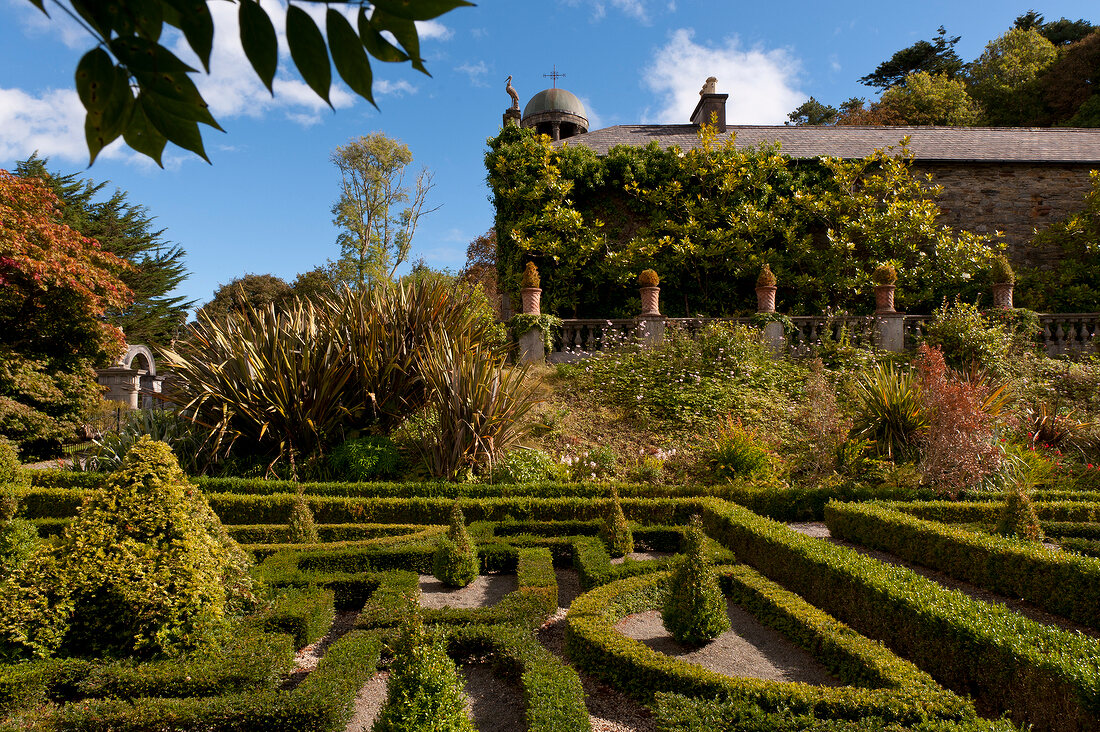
point(554, 75)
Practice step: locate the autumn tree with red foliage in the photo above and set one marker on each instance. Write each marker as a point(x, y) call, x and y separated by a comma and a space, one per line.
point(958, 448)
point(55, 287)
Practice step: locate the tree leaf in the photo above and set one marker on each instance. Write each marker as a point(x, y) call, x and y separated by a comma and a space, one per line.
point(259, 41)
point(404, 31)
point(307, 49)
point(103, 126)
point(142, 136)
point(376, 43)
point(95, 75)
point(148, 18)
point(420, 9)
point(194, 19)
point(189, 110)
point(348, 54)
point(140, 54)
point(181, 131)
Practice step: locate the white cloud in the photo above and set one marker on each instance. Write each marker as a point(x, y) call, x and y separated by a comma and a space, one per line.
point(432, 30)
point(633, 8)
point(637, 9)
point(761, 83)
point(382, 87)
point(595, 121)
point(476, 72)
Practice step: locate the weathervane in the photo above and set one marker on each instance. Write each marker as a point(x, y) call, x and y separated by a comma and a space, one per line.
point(554, 75)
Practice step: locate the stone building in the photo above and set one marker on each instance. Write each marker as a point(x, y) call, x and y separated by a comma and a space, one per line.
point(555, 112)
point(1013, 180)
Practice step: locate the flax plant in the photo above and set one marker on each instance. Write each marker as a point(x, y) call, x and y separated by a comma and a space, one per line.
point(891, 411)
point(275, 378)
point(481, 403)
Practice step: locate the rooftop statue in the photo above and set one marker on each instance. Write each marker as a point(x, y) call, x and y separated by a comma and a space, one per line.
point(512, 92)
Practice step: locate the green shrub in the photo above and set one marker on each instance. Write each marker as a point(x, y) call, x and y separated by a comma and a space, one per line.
point(11, 470)
point(145, 568)
point(525, 465)
point(694, 610)
point(1018, 518)
point(301, 528)
point(455, 562)
point(615, 531)
point(18, 542)
point(366, 458)
point(425, 690)
point(737, 452)
point(969, 338)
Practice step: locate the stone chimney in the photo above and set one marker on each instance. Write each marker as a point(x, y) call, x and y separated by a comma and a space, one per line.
point(710, 104)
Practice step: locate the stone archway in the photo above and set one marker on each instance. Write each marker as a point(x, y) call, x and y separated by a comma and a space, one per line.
point(133, 380)
point(139, 358)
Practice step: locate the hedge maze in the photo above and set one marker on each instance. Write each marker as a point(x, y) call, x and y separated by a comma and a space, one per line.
point(908, 652)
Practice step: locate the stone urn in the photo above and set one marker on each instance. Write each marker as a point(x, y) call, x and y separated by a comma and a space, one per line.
point(765, 298)
point(1002, 295)
point(531, 297)
point(884, 298)
point(650, 297)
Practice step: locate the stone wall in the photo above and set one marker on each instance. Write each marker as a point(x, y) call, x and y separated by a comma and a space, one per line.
point(1015, 198)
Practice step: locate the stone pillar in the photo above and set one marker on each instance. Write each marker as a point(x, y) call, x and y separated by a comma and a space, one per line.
point(651, 329)
point(122, 384)
point(774, 335)
point(555, 131)
point(531, 347)
point(511, 117)
point(890, 331)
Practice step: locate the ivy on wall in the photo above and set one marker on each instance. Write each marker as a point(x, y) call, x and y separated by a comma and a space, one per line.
point(707, 220)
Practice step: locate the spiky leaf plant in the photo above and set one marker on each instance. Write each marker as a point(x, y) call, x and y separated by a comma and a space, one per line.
point(615, 531)
point(481, 403)
point(455, 560)
point(301, 527)
point(694, 610)
point(890, 410)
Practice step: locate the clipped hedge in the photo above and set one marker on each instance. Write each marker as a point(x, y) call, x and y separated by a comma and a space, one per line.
point(552, 691)
point(988, 512)
point(678, 713)
point(1038, 674)
point(321, 703)
point(535, 598)
point(1062, 583)
point(251, 661)
point(597, 647)
point(594, 568)
point(280, 533)
point(304, 613)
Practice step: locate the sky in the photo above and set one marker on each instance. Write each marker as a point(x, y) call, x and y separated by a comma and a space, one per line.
point(264, 204)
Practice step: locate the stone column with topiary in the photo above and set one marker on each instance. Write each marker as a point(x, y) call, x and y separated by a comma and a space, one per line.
point(651, 324)
point(889, 323)
point(528, 326)
point(1004, 280)
point(765, 309)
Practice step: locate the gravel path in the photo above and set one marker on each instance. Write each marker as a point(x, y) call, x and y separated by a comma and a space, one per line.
point(307, 658)
point(749, 648)
point(642, 556)
point(369, 703)
point(819, 530)
point(484, 591)
point(496, 704)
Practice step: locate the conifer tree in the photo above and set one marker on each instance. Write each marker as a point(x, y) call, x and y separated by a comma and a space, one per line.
point(126, 230)
point(455, 560)
point(615, 531)
point(694, 610)
point(301, 527)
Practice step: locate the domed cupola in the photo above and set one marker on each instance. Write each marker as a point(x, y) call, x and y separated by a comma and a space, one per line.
point(555, 112)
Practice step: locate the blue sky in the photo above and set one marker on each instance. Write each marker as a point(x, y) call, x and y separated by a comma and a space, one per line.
point(264, 205)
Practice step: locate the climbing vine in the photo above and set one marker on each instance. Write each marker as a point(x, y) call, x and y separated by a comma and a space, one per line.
point(708, 218)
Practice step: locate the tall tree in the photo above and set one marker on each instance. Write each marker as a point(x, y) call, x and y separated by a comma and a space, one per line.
point(1004, 78)
point(134, 87)
point(377, 211)
point(254, 290)
point(1071, 85)
point(55, 287)
point(812, 112)
point(126, 230)
point(921, 99)
point(936, 57)
point(1061, 32)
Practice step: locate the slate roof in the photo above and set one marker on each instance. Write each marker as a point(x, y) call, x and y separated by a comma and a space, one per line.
point(955, 144)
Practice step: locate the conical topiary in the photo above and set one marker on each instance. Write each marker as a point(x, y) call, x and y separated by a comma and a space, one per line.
point(615, 531)
point(455, 560)
point(424, 693)
point(694, 610)
point(301, 528)
point(1018, 515)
